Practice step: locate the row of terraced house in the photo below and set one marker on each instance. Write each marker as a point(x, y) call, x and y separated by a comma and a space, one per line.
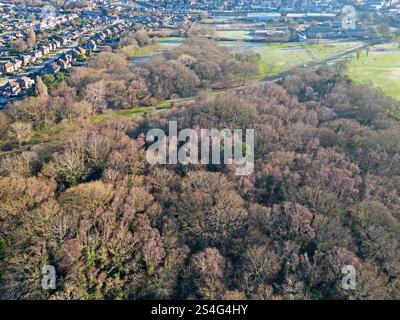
point(66, 51)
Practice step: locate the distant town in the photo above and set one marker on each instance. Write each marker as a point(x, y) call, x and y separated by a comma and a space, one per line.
point(50, 38)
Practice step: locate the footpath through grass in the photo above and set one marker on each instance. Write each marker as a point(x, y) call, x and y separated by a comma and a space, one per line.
point(278, 58)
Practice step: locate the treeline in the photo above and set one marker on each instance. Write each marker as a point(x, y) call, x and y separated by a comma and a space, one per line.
point(324, 194)
point(111, 81)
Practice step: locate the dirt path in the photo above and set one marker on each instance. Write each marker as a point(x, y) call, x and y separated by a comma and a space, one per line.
point(337, 56)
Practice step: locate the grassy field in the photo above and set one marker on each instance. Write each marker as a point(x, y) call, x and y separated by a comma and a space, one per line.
point(326, 49)
point(212, 21)
point(161, 45)
point(277, 58)
point(45, 135)
point(232, 34)
point(139, 111)
point(381, 68)
point(281, 57)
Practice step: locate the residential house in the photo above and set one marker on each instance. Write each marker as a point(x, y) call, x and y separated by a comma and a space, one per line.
point(53, 68)
point(75, 54)
point(17, 64)
point(52, 46)
point(322, 33)
point(63, 63)
point(26, 59)
point(11, 88)
point(37, 54)
point(44, 49)
point(75, 35)
point(101, 36)
point(91, 45)
point(57, 43)
point(64, 41)
point(33, 57)
point(81, 50)
point(7, 67)
point(67, 57)
point(25, 83)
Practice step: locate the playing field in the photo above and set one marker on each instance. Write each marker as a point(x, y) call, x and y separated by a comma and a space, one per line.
point(326, 49)
point(161, 45)
point(381, 67)
point(277, 58)
point(233, 34)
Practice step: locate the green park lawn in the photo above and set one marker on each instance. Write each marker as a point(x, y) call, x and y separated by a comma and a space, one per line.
point(161, 45)
point(381, 68)
point(211, 20)
point(277, 58)
point(280, 57)
point(326, 49)
point(148, 50)
point(232, 34)
point(139, 111)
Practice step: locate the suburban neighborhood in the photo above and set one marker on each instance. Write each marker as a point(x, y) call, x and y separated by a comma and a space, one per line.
point(39, 40)
point(67, 39)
